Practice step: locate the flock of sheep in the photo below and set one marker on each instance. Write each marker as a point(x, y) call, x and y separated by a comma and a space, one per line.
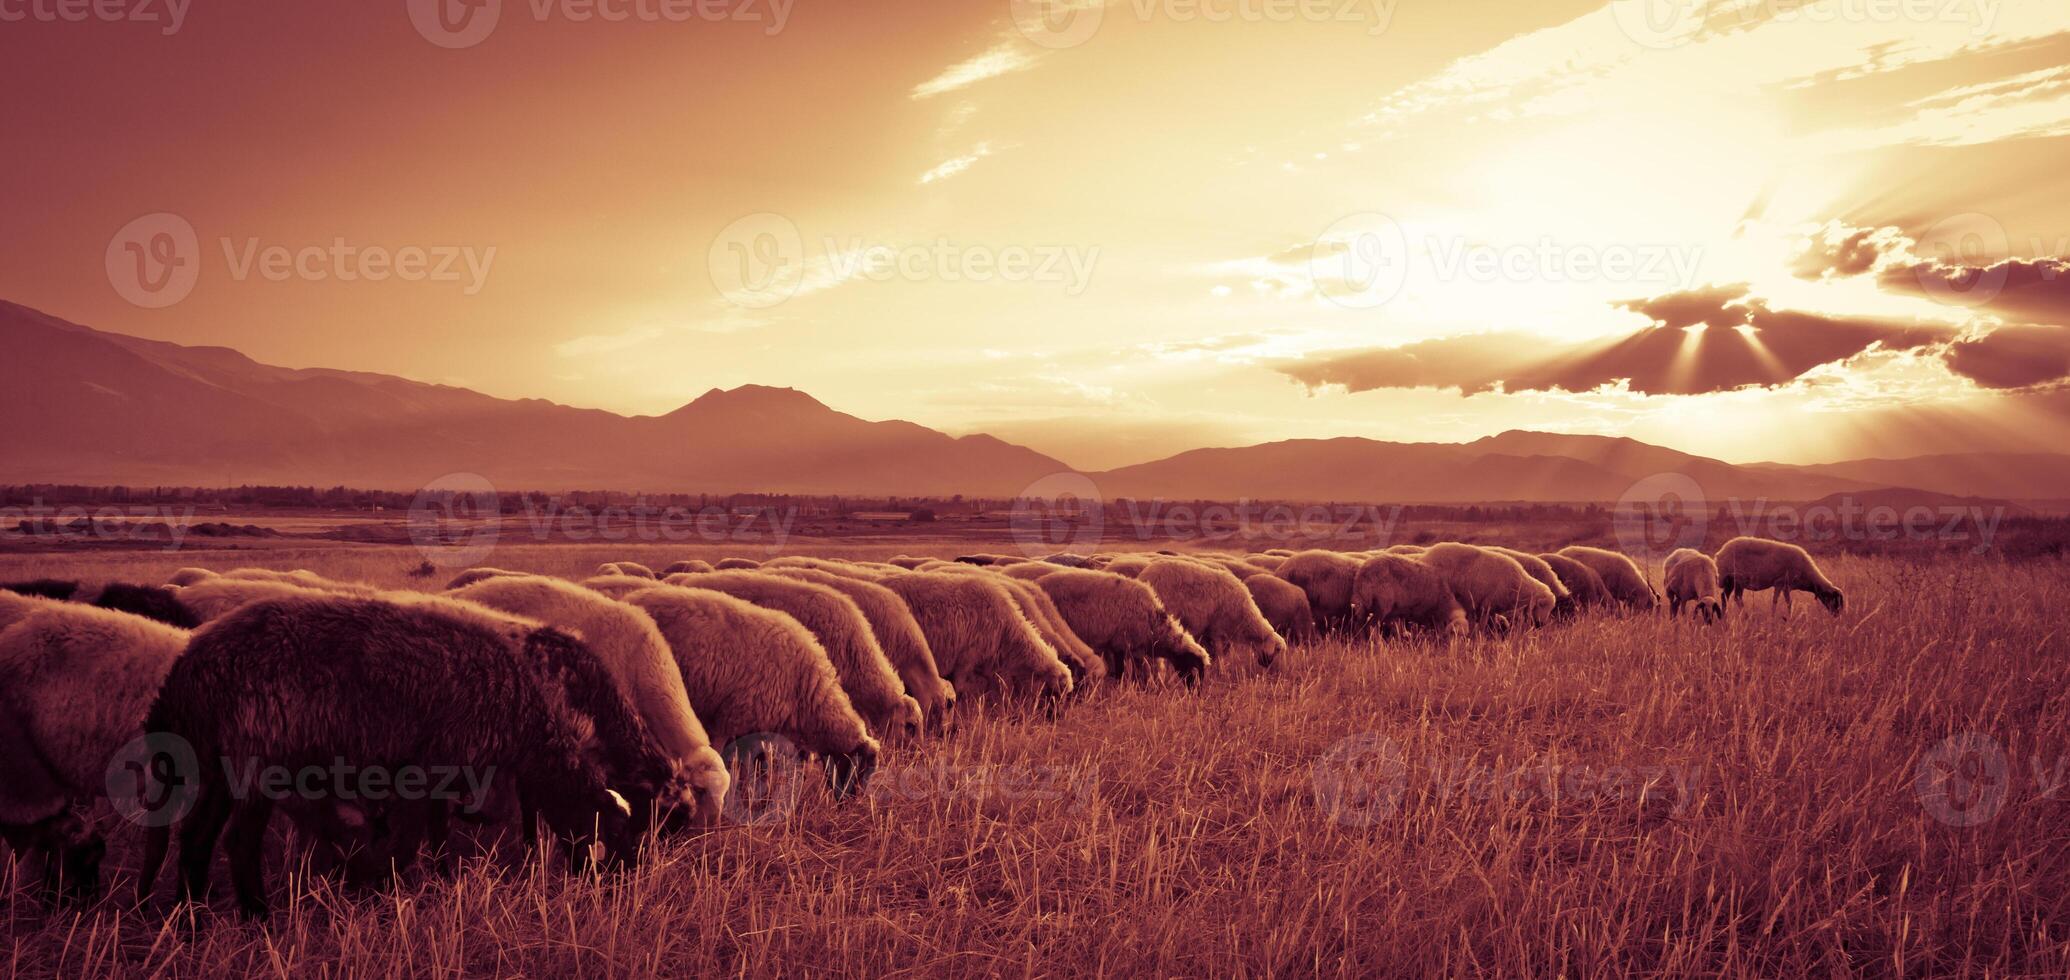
point(597, 705)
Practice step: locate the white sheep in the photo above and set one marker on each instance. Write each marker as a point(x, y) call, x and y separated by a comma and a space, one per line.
point(1581, 582)
point(733, 564)
point(189, 576)
point(1085, 665)
point(1753, 564)
point(632, 568)
point(76, 683)
point(1123, 620)
point(300, 576)
point(898, 633)
point(628, 642)
point(1690, 576)
point(688, 565)
point(842, 630)
point(1563, 597)
point(1493, 588)
point(473, 575)
point(1283, 605)
point(980, 638)
point(618, 586)
point(750, 670)
point(1326, 576)
point(1215, 607)
point(1620, 575)
point(214, 598)
point(1393, 591)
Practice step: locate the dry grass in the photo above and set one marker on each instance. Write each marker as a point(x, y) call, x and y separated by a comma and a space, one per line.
point(1232, 832)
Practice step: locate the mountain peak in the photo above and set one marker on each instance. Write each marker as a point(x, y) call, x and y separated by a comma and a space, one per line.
point(753, 398)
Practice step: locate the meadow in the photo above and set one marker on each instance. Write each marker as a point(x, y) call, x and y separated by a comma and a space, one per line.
point(1877, 794)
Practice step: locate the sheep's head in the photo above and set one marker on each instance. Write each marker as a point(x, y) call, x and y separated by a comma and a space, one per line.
point(907, 718)
point(1833, 600)
point(849, 772)
point(1177, 647)
point(704, 784)
point(1709, 609)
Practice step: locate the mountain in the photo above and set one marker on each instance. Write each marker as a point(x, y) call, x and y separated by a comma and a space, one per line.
point(87, 406)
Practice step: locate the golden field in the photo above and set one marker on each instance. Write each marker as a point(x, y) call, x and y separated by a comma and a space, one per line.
point(1763, 798)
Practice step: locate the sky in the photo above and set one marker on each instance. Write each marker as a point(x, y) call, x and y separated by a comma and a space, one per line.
point(1111, 231)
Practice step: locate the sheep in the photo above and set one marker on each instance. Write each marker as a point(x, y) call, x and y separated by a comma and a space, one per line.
point(751, 670)
point(1215, 607)
point(15, 605)
point(300, 576)
point(1067, 559)
point(980, 638)
point(189, 576)
point(75, 685)
point(1264, 563)
point(630, 645)
point(907, 561)
point(1621, 576)
point(1536, 567)
point(842, 630)
point(897, 632)
point(688, 565)
point(473, 575)
point(382, 685)
point(1752, 564)
point(1283, 605)
point(1581, 582)
point(732, 564)
point(44, 588)
point(1326, 577)
point(618, 586)
point(1492, 587)
point(632, 568)
point(1029, 571)
point(1084, 664)
point(217, 597)
point(1394, 591)
point(1407, 550)
point(1122, 619)
point(1691, 576)
point(1129, 565)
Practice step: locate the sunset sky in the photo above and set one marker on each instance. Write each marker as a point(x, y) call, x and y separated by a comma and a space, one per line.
point(1109, 231)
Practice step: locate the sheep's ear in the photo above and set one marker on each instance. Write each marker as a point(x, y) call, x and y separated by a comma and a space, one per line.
point(624, 808)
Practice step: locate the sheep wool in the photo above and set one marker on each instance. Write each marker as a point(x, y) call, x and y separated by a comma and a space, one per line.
point(1581, 582)
point(1283, 605)
point(1753, 564)
point(1690, 576)
point(1393, 591)
point(897, 632)
point(1214, 606)
point(1326, 576)
point(1123, 620)
point(1490, 586)
point(1621, 576)
point(979, 636)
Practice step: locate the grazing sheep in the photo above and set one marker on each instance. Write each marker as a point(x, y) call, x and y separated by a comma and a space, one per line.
point(632, 648)
point(1123, 620)
point(1029, 571)
point(15, 605)
point(473, 575)
point(44, 588)
point(1129, 565)
point(75, 685)
point(842, 630)
point(300, 576)
point(1068, 560)
point(383, 686)
point(1396, 591)
point(1033, 603)
point(1283, 605)
point(980, 638)
point(732, 564)
point(1264, 563)
point(750, 670)
point(688, 565)
point(897, 632)
point(632, 568)
point(1407, 550)
point(189, 576)
point(1492, 587)
point(218, 597)
point(1563, 597)
point(1215, 607)
point(1691, 576)
point(1581, 582)
point(1752, 564)
point(1326, 577)
point(617, 586)
point(1621, 576)
point(907, 561)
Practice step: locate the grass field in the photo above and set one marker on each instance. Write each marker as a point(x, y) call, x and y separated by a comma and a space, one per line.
point(1616, 796)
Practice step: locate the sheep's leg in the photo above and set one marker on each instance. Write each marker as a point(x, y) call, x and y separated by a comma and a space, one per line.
point(245, 846)
point(198, 840)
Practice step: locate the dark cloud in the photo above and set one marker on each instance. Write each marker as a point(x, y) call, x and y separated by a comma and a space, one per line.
point(1741, 343)
point(1839, 253)
point(2037, 290)
point(2013, 357)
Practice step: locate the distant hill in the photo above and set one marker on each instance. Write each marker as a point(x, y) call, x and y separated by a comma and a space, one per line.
point(87, 406)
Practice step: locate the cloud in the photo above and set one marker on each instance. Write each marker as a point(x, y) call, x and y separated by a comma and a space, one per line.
point(956, 165)
point(1718, 338)
point(1001, 59)
point(1966, 266)
point(2013, 357)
